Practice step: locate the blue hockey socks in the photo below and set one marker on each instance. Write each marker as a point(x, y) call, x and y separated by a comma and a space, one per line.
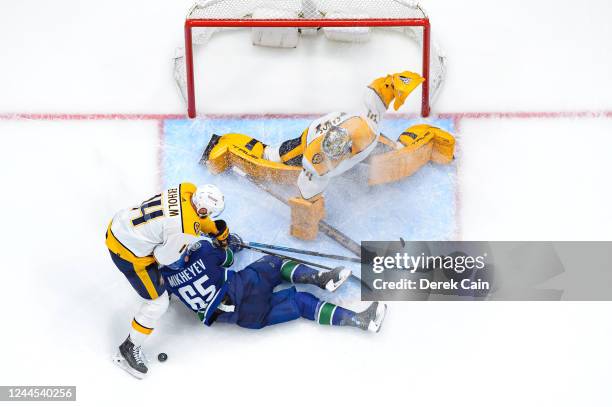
point(326, 313)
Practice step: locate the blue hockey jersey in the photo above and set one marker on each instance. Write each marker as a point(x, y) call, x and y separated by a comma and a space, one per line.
point(201, 279)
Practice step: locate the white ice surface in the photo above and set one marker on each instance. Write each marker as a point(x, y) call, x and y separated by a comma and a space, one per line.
point(64, 307)
point(544, 179)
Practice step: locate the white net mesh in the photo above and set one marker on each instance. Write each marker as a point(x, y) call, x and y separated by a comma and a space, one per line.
point(312, 9)
point(306, 9)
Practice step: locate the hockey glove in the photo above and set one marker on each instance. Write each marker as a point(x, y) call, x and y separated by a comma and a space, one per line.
point(235, 242)
point(221, 234)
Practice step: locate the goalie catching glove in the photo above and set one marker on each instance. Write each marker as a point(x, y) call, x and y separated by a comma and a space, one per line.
point(397, 86)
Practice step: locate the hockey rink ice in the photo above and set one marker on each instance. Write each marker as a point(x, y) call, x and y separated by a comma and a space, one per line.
point(91, 122)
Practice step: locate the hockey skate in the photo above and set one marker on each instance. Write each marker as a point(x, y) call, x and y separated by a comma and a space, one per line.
point(372, 318)
point(131, 358)
point(332, 279)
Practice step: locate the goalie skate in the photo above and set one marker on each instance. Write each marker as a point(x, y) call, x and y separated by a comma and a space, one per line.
point(131, 359)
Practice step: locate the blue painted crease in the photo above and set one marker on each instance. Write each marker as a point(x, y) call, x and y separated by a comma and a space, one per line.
point(421, 207)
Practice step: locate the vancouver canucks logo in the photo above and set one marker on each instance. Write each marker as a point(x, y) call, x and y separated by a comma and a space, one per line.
point(196, 227)
point(317, 158)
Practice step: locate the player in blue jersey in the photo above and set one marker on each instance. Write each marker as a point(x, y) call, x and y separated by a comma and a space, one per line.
point(203, 282)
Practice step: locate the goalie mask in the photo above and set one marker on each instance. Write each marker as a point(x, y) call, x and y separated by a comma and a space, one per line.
point(336, 143)
point(208, 200)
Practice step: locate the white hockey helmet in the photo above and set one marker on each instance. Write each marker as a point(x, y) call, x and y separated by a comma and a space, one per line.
point(336, 142)
point(208, 200)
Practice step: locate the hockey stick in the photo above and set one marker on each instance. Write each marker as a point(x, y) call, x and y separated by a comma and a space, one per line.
point(256, 249)
point(325, 227)
point(306, 252)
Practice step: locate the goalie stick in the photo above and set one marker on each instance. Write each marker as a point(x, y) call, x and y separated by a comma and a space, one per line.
point(325, 227)
point(282, 256)
point(301, 251)
point(256, 249)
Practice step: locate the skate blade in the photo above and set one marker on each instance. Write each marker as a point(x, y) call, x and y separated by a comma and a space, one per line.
point(120, 361)
point(332, 286)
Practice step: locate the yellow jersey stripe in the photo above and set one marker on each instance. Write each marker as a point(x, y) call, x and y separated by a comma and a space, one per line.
point(115, 245)
point(144, 277)
point(139, 264)
point(140, 328)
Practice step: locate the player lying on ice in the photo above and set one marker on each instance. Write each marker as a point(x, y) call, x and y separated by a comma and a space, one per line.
point(203, 282)
point(332, 145)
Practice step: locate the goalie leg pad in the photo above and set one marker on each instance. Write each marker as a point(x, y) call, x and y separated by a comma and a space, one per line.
point(219, 163)
point(444, 147)
point(305, 217)
point(217, 155)
point(395, 165)
point(246, 153)
point(444, 142)
point(422, 143)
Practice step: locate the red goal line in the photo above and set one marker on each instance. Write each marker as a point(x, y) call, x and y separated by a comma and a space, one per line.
point(159, 118)
point(455, 116)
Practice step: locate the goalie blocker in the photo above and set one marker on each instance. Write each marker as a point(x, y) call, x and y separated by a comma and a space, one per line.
point(390, 162)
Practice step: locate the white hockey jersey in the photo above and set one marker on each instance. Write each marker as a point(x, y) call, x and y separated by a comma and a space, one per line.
point(162, 226)
point(361, 125)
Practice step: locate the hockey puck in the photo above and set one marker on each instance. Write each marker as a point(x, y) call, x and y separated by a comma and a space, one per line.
point(162, 357)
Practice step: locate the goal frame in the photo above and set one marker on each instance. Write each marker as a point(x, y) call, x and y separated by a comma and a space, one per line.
point(190, 24)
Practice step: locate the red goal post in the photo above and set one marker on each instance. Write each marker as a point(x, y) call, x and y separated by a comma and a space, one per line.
point(219, 21)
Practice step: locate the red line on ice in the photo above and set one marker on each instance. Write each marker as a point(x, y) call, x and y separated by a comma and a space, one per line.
point(457, 116)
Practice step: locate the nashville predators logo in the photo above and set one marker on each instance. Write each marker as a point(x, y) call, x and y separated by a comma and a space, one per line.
point(196, 227)
point(317, 158)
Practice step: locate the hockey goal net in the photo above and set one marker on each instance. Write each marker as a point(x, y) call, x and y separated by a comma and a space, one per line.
point(279, 23)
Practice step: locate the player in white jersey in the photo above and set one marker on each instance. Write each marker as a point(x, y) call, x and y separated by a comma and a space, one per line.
point(336, 142)
point(153, 234)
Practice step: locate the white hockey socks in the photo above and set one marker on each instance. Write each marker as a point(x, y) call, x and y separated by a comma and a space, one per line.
point(145, 320)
